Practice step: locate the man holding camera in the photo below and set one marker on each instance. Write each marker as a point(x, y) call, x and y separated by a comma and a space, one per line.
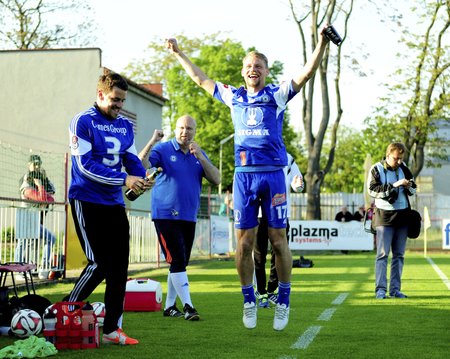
point(390, 182)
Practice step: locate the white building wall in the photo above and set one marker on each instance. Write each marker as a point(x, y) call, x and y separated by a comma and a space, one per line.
point(43, 89)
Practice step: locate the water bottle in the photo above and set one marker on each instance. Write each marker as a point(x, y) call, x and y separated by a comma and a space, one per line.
point(75, 339)
point(89, 327)
point(132, 195)
point(50, 326)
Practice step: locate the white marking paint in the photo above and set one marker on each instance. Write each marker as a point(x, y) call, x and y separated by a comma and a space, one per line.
point(440, 273)
point(327, 314)
point(340, 299)
point(307, 338)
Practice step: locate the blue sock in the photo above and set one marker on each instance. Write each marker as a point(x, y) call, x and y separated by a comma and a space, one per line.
point(249, 294)
point(284, 291)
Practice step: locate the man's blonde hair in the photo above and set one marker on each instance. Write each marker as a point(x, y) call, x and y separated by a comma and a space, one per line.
point(396, 146)
point(258, 55)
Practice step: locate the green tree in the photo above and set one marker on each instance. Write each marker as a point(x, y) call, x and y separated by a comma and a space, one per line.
point(417, 100)
point(38, 24)
point(318, 13)
point(221, 60)
point(347, 173)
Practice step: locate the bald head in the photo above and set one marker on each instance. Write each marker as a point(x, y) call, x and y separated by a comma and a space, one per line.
point(185, 130)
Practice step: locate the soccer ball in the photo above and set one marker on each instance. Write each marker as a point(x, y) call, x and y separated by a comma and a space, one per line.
point(26, 322)
point(99, 311)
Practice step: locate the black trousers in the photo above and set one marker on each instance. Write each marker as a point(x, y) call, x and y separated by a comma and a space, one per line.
point(260, 255)
point(104, 235)
point(176, 239)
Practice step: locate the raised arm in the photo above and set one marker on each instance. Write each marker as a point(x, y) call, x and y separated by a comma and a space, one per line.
point(143, 155)
point(212, 174)
point(194, 72)
point(313, 63)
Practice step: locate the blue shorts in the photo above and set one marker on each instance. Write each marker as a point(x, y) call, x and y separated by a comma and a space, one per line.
point(254, 189)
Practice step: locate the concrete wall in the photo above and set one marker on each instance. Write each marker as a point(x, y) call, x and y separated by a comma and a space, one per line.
point(42, 92)
point(44, 89)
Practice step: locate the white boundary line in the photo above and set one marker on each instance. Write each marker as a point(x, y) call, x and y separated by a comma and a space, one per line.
point(308, 336)
point(327, 314)
point(439, 272)
point(340, 299)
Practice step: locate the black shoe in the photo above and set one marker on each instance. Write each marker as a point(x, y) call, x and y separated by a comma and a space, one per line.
point(190, 313)
point(172, 312)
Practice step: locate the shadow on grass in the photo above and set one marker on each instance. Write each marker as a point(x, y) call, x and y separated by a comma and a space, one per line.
point(361, 326)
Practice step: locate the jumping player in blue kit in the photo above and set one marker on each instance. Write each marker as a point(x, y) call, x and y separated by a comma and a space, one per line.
point(102, 142)
point(257, 112)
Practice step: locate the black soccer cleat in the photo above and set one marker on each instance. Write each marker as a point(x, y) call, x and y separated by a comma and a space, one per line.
point(190, 313)
point(172, 312)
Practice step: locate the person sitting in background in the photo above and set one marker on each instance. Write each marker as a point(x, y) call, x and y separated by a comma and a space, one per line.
point(35, 186)
point(344, 215)
point(359, 214)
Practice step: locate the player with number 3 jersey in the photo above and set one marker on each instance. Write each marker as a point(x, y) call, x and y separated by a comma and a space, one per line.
point(100, 148)
point(102, 143)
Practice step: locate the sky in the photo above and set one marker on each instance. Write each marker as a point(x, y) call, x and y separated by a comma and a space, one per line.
point(126, 28)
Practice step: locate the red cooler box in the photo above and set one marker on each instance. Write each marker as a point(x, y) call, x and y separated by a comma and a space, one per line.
point(143, 295)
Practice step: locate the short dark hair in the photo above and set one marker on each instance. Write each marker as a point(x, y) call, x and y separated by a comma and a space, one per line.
point(108, 81)
point(35, 159)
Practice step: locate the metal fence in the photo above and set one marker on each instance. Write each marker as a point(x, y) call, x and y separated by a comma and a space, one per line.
point(144, 244)
point(31, 235)
point(18, 221)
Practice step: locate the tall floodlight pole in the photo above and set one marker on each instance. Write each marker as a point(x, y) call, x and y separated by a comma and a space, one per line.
point(222, 142)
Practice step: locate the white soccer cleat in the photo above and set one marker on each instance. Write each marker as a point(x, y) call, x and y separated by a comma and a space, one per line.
point(281, 316)
point(249, 317)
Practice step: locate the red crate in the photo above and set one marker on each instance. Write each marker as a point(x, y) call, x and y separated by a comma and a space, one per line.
point(68, 333)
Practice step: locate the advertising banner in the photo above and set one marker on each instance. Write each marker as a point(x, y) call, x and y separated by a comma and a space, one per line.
point(329, 235)
point(219, 234)
point(446, 234)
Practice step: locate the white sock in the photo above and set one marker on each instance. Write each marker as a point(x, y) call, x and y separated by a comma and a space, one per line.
point(181, 283)
point(171, 292)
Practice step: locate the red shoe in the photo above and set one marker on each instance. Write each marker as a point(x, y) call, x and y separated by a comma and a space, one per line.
point(118, 337)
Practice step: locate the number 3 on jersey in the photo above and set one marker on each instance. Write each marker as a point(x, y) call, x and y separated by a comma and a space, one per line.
point(113, 151)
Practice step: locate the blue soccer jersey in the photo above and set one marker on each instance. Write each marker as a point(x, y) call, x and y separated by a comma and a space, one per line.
point(258, 123)
point(176, 194)
point(100, 146)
